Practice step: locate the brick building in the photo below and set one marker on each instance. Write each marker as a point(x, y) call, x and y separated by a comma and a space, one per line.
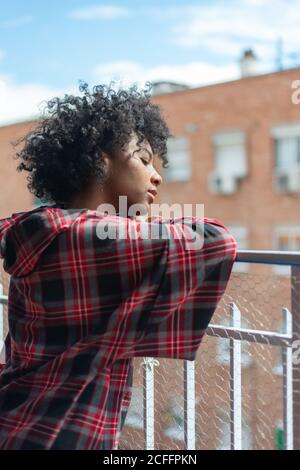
point(236, 149)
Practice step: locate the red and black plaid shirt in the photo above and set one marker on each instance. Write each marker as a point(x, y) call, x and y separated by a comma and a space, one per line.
point(80, 308)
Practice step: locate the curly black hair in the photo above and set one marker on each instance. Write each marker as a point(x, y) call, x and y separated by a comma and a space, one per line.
point(65, 148)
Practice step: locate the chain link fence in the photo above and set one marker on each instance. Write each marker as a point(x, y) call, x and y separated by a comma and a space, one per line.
point(260, 296)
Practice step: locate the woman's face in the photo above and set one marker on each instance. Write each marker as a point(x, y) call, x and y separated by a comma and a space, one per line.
point(132, 174)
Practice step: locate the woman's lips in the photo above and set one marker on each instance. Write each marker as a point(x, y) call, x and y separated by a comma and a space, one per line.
point(150, 195)
point(152, 192)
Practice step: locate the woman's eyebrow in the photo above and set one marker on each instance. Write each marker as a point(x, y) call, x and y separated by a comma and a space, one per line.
point(150, 153)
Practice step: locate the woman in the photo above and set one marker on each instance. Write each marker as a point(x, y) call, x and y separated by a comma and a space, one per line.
point(82, 306)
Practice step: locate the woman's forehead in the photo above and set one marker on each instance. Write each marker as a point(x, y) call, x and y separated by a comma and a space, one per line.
point(133, 144)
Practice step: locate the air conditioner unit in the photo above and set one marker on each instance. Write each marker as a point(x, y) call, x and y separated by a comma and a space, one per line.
point(222, 184)
point(287, 180)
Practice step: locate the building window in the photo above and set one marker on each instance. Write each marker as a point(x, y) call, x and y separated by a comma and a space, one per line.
point(278, 367)
point(224, 434)
point(134, 417)
point(179, 160)
point(286, 238)
point(240, 233)
point(230, 162)
point(175, 418)
point(287, 152)
point(223, 347)
point(287, 145)
point(287, 157)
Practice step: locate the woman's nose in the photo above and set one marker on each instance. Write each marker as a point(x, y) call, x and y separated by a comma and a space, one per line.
point(156, 178)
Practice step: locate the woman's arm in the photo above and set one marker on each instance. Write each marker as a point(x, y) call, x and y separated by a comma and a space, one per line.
point(167, 293)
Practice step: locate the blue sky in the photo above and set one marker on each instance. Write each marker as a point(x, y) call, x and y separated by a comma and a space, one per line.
point(47, 47)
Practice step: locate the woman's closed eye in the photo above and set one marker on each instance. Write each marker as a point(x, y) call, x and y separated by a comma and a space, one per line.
point(145, 161)
point(145, 156)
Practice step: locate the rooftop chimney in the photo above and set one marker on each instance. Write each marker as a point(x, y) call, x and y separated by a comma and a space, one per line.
point(248, 63)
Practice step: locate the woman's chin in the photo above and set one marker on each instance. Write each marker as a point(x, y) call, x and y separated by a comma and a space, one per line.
point(144, 212)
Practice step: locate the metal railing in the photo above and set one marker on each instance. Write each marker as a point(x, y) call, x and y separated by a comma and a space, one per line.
point(235, 334)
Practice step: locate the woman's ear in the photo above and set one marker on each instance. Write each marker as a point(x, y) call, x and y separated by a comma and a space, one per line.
point(106, 157)
point(107, 163)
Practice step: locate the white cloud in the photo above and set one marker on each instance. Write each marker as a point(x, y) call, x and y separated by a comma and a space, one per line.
point(193, 73)
point(225, 29)
point(16, 22)
point(103, 12)
point(18, 102)
point(258, 3)
point(212, 23)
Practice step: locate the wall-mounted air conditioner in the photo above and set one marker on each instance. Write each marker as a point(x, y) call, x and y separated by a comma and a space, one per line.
point(287, 180)
point(222, 184)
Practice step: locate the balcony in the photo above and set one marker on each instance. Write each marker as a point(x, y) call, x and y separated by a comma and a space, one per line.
point(243, 389)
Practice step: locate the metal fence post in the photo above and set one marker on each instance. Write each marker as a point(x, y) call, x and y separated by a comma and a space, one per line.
point(287, 374)
point(148, 401)
point(235, 383)
point(295, 296)
point(189, 405)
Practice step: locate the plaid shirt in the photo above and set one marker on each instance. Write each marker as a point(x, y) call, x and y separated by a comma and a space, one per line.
point(81, 307)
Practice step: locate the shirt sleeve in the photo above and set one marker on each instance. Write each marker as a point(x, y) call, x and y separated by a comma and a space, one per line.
point(168, 285)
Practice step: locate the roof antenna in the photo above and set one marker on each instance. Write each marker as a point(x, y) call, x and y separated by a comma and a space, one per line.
point(279, 56)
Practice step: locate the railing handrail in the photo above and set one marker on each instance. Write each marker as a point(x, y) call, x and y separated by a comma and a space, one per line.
point(270, 338)
point(291, 258)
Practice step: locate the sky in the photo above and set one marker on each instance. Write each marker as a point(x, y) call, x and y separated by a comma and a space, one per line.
point(47, 47)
